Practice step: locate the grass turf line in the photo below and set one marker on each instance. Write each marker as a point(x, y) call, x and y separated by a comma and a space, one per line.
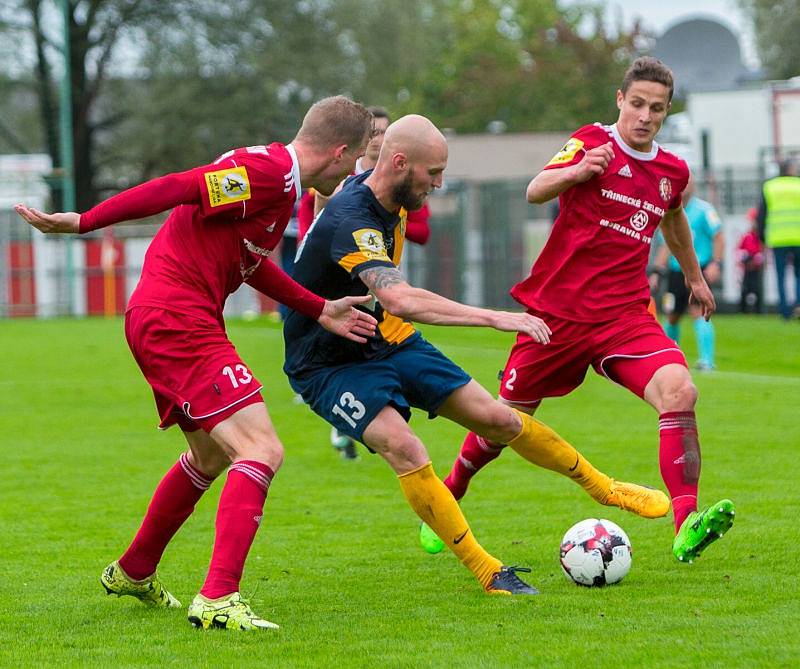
point(336, 561)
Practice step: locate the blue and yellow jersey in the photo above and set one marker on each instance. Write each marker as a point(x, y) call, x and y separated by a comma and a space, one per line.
point(352, 234)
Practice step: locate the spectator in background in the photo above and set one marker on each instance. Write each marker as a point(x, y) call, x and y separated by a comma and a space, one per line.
point(708, 242)
point(779, 227)
point(750, 257)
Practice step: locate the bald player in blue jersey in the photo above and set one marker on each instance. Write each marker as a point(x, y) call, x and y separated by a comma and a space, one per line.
point(367, 391)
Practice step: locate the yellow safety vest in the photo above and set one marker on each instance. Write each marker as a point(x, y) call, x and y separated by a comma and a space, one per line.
point(782, 196)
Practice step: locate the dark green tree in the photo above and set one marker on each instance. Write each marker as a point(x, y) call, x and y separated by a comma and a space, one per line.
point(776, 24)
point(164, 86)
point(527, 63)
point(100, 33)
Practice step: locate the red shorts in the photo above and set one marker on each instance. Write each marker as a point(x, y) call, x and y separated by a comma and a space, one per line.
point(627, 350)
point(197, 377)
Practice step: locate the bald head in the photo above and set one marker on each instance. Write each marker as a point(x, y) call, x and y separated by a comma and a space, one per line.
point(416, 138)
point(411, 163)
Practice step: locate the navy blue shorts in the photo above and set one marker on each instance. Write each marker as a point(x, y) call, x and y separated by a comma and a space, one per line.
point(350, 396)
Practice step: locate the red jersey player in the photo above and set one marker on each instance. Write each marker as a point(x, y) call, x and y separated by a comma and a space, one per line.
point(615, 186)
point(227, 219)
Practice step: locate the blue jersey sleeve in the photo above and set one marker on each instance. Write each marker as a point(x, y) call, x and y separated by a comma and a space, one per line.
point(359, 244)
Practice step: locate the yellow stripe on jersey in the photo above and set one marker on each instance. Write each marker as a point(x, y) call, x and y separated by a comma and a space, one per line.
point(351, 260)
point(399, 237)
point(394, 329)
point(567, 152)
point(226, 186)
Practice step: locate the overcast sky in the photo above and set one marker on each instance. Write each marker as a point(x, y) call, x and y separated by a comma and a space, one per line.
point(658, 16)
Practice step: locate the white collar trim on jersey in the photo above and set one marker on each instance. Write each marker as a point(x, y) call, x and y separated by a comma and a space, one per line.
point(633, 153)
point(295, 171)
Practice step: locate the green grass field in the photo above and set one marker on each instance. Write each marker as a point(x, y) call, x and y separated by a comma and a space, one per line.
point(336, 562)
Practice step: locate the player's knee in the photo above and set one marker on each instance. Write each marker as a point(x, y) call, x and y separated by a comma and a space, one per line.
point(405, 452)
point(501, 424)
point(680, 395)
point(266, 450)
point(272, 454)
point(407, 445)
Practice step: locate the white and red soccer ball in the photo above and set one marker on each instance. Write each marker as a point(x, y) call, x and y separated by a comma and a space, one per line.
point(595, 552)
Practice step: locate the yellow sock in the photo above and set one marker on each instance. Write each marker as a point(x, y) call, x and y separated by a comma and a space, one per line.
point(434, 504)
point(540, 445)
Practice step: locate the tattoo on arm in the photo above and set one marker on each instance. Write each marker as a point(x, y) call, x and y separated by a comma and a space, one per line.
point(378, 278)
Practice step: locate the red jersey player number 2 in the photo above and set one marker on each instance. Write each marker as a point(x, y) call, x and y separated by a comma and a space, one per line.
point(593, 265)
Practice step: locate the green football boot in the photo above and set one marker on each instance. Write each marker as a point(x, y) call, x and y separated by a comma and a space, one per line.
point(149, 591)
point(429, 541)
point(702, 528)
point(230, 612)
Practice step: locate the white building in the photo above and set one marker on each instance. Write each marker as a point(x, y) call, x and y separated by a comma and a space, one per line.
point(746, 128)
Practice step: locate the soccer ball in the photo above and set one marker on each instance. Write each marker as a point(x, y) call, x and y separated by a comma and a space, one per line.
point(595, 552)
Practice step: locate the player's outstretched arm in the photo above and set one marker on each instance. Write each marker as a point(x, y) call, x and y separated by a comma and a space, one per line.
point(398, 297)
point(678, 236)
point(67, 222)
point(551, 183)
point(151, 197)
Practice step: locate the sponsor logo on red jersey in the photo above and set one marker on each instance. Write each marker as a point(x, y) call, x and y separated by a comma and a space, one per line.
point(226, 186)
point(639, 220)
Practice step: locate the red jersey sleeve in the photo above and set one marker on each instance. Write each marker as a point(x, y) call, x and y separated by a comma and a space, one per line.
point(271, 280)
point(677, 199)
point(240, 182)
point(417, 228)
point(586, 138)
point(151, 197)
point(245, 181)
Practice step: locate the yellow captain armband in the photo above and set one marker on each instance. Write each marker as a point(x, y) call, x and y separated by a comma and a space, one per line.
point(568, 152)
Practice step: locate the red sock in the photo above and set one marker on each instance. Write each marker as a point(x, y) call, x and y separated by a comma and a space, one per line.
point(476, 453)
point(674, 429)
point(172, 503)
point(241, 506)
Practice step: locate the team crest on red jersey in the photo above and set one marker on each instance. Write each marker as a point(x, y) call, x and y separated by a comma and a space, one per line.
point(665, 189)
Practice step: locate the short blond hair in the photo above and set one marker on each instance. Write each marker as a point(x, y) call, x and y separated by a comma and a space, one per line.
point(334, 121)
